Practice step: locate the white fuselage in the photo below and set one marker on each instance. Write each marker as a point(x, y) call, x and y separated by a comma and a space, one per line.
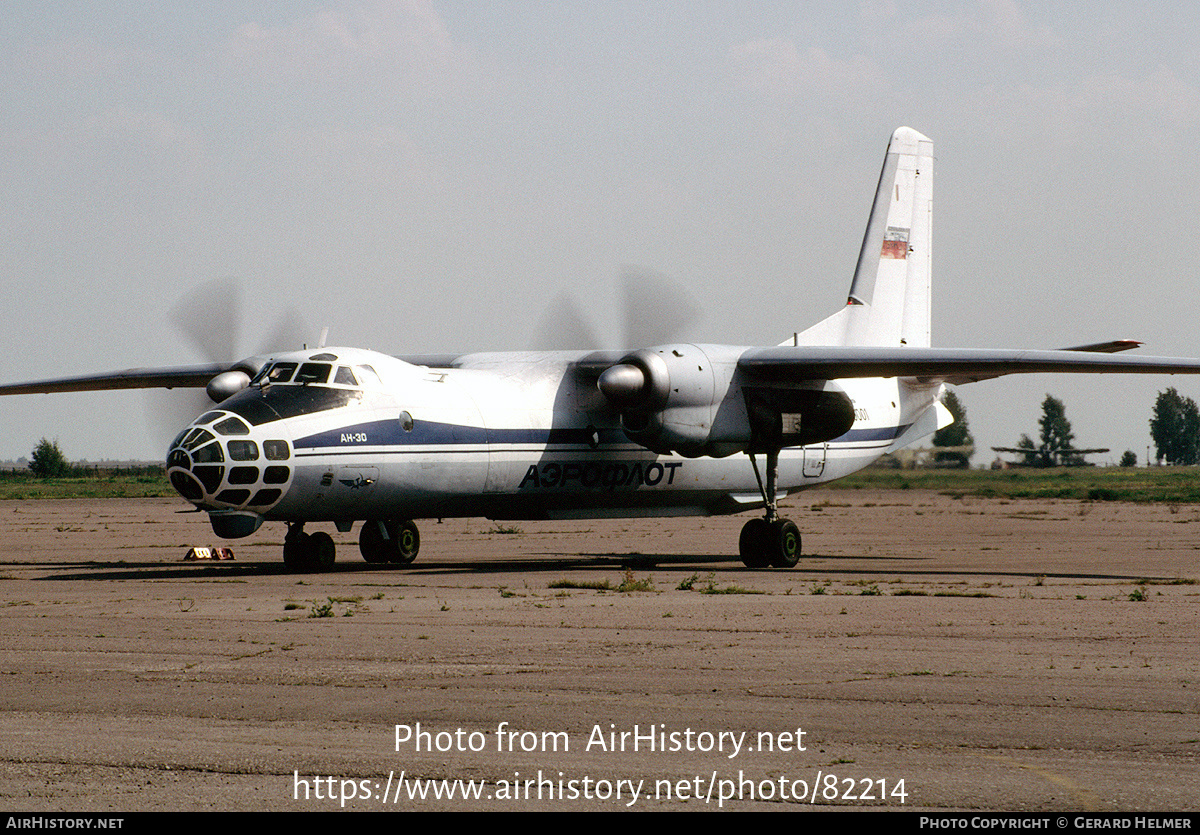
point(504, 436)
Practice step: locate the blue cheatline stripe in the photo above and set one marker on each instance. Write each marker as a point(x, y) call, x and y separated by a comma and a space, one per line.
point(431, 433)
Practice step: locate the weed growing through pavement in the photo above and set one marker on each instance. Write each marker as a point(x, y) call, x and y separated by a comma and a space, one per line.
point(632, 584)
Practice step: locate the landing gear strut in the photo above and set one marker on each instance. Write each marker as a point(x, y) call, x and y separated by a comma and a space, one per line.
point(769, 541)
point(394, 542)
point(308, 552)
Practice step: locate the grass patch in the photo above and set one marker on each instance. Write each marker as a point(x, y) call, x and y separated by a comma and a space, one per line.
point(1162, 485)
point(88, 483)
point(710, 586)
point(587, 585)
point(712, 589)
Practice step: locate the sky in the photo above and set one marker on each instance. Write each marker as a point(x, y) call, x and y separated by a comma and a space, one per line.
point(424, 176)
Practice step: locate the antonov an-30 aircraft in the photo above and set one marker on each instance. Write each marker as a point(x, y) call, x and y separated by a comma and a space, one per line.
point(345, 435)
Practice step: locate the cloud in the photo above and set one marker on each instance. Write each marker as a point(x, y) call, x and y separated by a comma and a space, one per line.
point(382, 157)
point(775, 69)
point(1156, 111)
point(403, 42)
point(995, 24)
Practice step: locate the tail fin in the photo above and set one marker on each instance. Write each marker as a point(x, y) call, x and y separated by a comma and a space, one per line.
point(894, 262)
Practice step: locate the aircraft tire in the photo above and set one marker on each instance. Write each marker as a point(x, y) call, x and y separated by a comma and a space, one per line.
point(321, 551)
point(297, 552)
point(755, 543)
point(408, 542)
point(371, 544)
point(786, 542)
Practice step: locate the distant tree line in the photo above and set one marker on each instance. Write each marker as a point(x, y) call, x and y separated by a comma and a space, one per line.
point(957, 434)
point(48, 461)
point(1175, 428)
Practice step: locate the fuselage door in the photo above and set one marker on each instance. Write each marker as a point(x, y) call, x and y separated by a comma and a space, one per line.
point(814, 460)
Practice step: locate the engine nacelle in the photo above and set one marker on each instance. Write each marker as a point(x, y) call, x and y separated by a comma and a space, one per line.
point(670, 396)
point(227, 384)
point(692, 400)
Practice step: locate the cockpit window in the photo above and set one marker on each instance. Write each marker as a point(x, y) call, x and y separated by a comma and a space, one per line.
point(368, 375)
point(313, 372)
point(318, 373)
point(281, 372)
point(207, 417)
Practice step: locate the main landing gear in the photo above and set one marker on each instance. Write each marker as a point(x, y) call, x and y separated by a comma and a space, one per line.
point(769, 541)
point(379, 542)
point(394, 542)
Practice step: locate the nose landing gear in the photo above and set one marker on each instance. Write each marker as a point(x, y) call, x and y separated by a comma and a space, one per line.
point(308, 552)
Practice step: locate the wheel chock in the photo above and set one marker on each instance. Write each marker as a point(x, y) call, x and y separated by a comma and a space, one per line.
point(214, 553)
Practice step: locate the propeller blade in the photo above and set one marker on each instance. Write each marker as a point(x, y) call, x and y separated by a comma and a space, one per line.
point(562, 326)
point(210, 317)
point(167, 412)
point(290, 333)
point(657, 309)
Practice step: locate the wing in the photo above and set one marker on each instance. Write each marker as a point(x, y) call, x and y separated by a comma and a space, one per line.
point(181, 376)
point(949, 365)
